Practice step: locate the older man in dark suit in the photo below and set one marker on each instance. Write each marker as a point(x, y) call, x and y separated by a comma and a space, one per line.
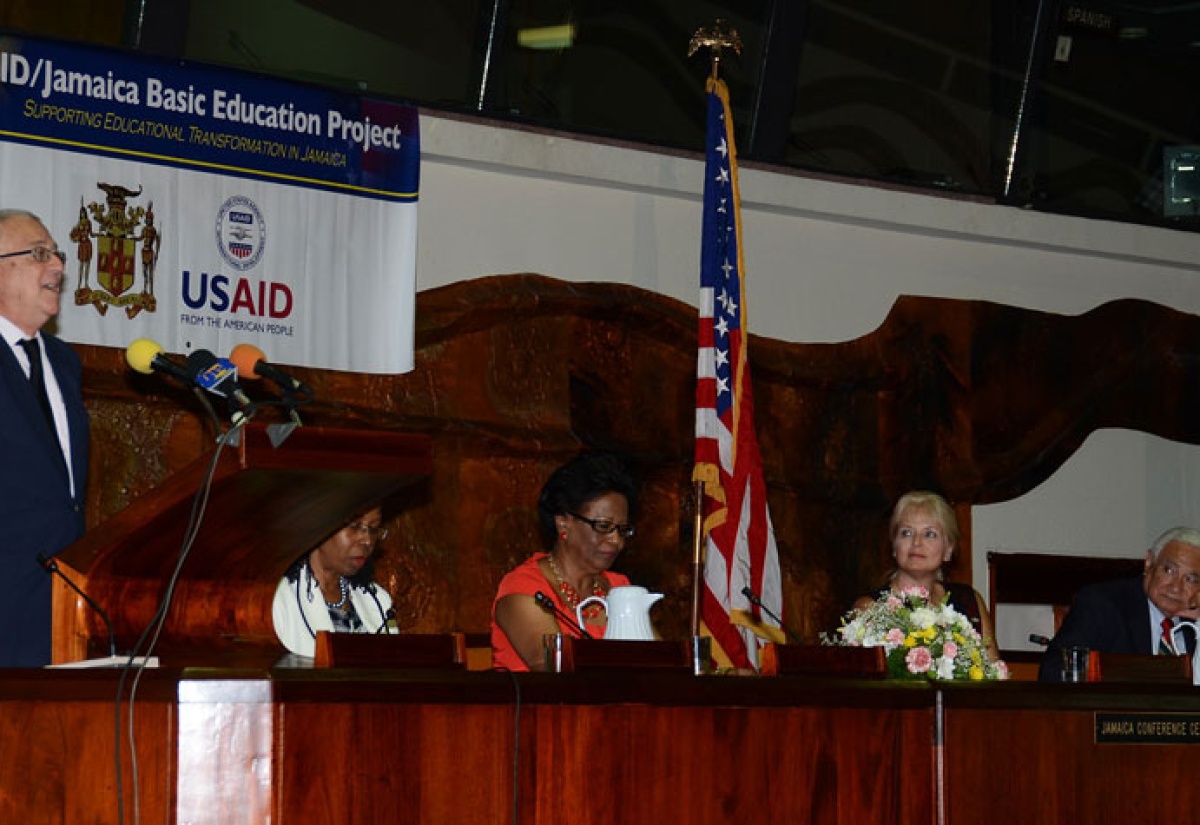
point(43, 436)
point(1136, 615)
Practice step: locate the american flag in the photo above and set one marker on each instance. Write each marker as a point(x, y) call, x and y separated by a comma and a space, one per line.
point(740, 544)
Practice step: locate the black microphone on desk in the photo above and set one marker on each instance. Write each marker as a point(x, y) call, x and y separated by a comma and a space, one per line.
point(1039, 639)
point(547, 604)
point(757, 602)
point(388, 617)
point(51, 566)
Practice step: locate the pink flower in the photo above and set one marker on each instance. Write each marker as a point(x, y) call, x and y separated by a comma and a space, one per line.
point(919, 660)
point(895, 636)
point(893, 603)
point(950, 650)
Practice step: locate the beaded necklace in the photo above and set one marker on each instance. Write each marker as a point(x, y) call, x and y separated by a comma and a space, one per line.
point(344, 584)
point(571, 595)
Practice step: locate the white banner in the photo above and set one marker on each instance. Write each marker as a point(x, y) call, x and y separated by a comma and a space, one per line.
point(204, 208)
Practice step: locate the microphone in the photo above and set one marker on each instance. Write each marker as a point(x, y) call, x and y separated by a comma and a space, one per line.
point(757, 602)
point(252, 363)
point(389, 616)
point(51, 566)
point(220, 377)
point(146, 356)
point(1039, 639)
point(547, 604)
point(1180, 624)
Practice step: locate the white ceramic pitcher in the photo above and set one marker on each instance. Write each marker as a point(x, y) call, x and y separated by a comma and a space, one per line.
point(628, 610)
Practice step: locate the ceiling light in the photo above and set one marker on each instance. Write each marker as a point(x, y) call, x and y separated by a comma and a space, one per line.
point(547, 37)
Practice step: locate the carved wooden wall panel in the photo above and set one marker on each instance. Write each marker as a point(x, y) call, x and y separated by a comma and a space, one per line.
point(516, 373)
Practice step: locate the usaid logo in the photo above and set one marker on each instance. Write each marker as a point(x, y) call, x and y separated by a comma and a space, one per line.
point(241, 233)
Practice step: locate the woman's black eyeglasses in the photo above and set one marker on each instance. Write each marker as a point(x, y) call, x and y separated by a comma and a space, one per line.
point(605, 527)
point(373, 533)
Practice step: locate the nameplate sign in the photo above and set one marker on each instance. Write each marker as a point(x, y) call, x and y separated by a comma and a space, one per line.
point(1148, 728)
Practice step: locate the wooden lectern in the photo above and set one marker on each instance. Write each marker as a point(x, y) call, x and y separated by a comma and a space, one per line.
point(267, 506)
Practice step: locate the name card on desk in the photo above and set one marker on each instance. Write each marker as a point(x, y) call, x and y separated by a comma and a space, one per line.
point(824, 660)
point(1137, 667)
point(405, 650)
point(580, 655)
point(1148, 728)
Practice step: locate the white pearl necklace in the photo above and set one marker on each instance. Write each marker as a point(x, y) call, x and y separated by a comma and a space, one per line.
point(344, 583)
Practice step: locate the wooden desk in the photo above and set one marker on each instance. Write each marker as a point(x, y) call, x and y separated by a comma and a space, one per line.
point(328, 746)
point(331, 746)
point(1028, 754)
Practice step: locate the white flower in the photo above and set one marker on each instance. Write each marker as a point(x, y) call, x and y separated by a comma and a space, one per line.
point(923, 617)
point(910, 628)
point(945, 667)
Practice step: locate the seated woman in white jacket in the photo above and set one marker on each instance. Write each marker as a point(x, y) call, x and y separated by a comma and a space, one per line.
point(331, 588)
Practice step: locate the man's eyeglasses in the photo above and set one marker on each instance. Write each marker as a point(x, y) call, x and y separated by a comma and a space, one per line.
point(41, 254)
point(373, 533)
point(605, 527)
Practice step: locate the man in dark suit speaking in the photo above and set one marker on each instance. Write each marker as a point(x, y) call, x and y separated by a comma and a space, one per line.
point(43, 436)
point(1135, 615)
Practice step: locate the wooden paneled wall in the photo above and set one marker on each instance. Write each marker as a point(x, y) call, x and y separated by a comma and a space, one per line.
point(515, 373)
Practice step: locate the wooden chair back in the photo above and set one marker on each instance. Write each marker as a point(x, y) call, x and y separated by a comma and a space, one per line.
point(1047, 579)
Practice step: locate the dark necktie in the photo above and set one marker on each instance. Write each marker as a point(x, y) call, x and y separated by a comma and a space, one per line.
point(37, 380)
point(1166, 644)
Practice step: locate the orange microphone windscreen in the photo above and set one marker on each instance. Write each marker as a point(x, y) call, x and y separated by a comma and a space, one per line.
point(246, 357)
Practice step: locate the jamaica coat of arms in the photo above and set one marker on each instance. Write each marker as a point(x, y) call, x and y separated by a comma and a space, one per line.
point(124, 235)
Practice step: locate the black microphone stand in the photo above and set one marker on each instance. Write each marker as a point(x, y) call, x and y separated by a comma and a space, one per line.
point(757, 602)
point(51, 566)
point(547, 604)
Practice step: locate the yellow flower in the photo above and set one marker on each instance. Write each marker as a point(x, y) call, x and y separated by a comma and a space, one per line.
point(975, 673)
point(910, 640)
point(929, 633)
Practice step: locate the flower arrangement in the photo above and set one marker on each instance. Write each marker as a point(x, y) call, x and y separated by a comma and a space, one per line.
point(922, 640)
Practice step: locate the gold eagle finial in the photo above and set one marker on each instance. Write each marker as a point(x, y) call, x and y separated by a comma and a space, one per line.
point(716, 37)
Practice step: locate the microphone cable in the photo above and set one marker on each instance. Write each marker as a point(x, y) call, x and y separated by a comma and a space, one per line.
point(154, 630)
point(516, 763)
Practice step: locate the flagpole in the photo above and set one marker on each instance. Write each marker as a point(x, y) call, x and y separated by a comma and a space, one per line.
point(715, 38)
point(697, 556)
